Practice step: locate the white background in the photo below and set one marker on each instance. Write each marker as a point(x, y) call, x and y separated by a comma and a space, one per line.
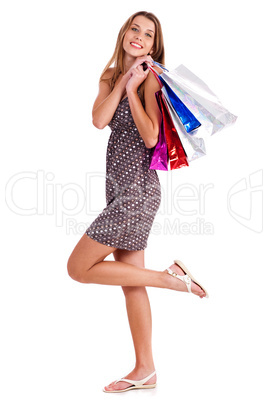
point(61, 340)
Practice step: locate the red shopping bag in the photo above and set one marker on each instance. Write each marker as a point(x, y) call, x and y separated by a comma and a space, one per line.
point(176, 153)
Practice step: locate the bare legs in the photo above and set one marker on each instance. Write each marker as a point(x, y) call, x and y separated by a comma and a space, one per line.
point(86, 265)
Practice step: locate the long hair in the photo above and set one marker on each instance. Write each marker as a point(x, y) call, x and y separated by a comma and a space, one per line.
point(158, 52)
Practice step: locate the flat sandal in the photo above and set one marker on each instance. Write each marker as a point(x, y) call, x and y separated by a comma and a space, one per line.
point(187, 278)
point(135, 384)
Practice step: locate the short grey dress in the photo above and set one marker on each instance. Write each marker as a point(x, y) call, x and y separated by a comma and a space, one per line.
point(133, 192)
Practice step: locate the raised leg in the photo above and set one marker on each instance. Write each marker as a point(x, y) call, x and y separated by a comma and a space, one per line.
point(86, 265)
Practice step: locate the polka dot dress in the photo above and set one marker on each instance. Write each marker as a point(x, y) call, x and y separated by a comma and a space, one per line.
point(133, 192)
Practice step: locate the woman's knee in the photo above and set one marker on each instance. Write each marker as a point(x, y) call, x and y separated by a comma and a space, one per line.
point(85, 255)
point(72, 269)
point(76, 271)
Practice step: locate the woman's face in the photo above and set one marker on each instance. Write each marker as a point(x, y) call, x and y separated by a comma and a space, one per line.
point(139, 38)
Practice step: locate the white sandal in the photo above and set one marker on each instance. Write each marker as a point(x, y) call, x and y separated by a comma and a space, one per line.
point(187, 278)
point(135, 384)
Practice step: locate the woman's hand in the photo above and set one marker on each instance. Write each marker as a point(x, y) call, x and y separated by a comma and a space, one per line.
point(140, 60)
point(136, 74)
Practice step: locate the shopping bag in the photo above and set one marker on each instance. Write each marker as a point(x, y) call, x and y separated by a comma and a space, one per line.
point(194, 146)
point(187, 118)
point(176, 154)
point(199, 99)
point(159, 159)
point(182, 86)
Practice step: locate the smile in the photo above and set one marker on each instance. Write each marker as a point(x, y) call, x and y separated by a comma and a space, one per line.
point(136, 45)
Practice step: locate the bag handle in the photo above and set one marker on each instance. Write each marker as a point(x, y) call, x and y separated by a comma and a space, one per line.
point(156, 75)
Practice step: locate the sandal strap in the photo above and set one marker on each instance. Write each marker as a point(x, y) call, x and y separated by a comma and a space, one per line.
point(137, 383)
point(184, 278)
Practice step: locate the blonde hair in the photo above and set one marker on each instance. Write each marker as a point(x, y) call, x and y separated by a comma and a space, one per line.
point(158, 52)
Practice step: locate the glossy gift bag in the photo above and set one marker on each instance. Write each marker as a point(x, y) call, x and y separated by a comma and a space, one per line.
point(169, 152)
point(199, 99)
point(176, 153)
point(201, 115)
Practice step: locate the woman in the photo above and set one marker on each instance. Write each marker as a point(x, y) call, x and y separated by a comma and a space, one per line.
point(126, 102)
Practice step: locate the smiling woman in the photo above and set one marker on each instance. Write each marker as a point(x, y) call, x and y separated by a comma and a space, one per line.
point(139, 35)
point(157, 52)
point(126, 103)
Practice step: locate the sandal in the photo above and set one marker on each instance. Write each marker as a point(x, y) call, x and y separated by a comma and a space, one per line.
point(135, 384)
point(187, 278)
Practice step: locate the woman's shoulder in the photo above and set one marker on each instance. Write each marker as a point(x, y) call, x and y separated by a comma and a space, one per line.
point(158, 69)
point(151, 83)
point(108, 74)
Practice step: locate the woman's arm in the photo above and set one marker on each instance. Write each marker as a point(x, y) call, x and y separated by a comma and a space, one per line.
point(147, 120)
point(106, 102)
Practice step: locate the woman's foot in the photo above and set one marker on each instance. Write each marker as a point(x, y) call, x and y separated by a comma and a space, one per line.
point(136, 374)
point(176, 284)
